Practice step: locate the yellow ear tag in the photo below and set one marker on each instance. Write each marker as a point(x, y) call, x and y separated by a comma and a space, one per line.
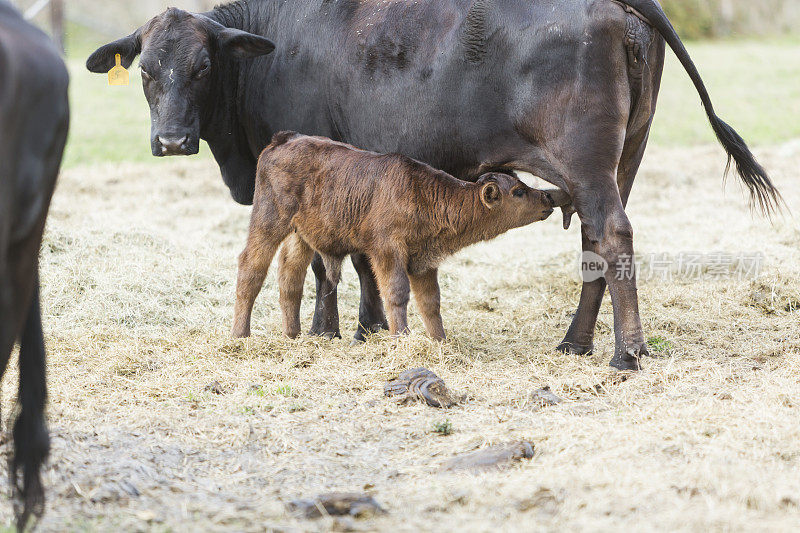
point(118, 75)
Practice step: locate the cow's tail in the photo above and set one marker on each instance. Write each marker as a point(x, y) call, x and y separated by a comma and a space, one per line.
point(31, 441)
point(762, 191)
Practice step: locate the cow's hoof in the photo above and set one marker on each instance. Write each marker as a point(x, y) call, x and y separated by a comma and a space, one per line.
point(629, 358)
point(329, 335)
point(574, 348)
point(362, 333)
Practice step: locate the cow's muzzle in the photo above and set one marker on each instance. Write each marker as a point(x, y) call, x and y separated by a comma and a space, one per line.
point(174, 145)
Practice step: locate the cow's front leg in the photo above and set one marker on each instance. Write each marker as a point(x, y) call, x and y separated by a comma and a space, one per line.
point(371, 317)
point(609, 232)
point(326, 309)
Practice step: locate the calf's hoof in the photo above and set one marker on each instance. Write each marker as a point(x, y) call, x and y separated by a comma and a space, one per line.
point(574, 348)
point(629, 358)
point(240, 333)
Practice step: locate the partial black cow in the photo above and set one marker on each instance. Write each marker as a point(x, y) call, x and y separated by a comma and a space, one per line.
point(563, 89)
point(34, 117)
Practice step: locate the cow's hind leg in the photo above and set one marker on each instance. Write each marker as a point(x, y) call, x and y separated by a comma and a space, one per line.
point(31, 441)
point(371, 317)
point(293, 261)
point(580, 335)
point(609, 232)
point(589, 154)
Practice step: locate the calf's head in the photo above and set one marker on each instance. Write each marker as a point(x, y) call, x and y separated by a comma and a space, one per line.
point(180, 54)
point(511, 203)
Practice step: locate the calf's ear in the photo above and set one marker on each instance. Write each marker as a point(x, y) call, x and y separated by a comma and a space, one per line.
point(490, 194)
point(243, 44)
point(102, 60)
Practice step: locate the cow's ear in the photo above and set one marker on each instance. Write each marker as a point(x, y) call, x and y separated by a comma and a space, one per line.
point(103, 59)
point(490, 194)
point(243, 44)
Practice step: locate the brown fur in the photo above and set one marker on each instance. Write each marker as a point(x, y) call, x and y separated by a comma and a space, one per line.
point(314, 194)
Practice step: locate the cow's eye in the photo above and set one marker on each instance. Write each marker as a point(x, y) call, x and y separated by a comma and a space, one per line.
point(519, 192)
point(146, 75)
point(203, 70)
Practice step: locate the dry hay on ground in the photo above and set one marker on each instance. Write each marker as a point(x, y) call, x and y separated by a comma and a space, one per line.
point(138, 273)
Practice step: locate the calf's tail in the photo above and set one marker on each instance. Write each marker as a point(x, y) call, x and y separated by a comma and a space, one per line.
point(762, 191)
point(31, 441)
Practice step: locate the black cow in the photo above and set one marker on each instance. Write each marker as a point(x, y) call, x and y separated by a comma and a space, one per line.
point(563, 89)
point(34, 118)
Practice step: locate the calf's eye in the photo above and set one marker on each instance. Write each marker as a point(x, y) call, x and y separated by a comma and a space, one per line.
point(519, 193)
point(146, 75)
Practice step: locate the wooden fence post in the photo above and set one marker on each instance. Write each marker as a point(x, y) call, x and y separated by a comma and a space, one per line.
point(57, 22)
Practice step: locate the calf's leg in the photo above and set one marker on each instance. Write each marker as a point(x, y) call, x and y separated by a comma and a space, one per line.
point(425, 287)
point(371, 317)
point(254, 262)
point(326, 310)
point(293, 261)
point(394, 287)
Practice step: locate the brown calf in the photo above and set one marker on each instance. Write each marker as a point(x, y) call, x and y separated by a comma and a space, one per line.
point(315, 194)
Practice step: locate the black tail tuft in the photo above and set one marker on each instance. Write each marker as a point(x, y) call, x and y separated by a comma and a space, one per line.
point(762, 191)
point(31, 441)
point(281, 137)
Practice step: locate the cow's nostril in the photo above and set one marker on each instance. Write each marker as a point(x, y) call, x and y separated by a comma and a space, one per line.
point(174, 145)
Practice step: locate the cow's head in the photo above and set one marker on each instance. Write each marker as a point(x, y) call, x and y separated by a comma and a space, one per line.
point(179, 53)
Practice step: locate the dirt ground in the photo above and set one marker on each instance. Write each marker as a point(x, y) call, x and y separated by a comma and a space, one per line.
point(139, 266)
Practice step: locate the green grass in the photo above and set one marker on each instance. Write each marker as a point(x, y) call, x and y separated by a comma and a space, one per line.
point(444, 428)
point(755, 86)
point(660, 344)
point(284, 390)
